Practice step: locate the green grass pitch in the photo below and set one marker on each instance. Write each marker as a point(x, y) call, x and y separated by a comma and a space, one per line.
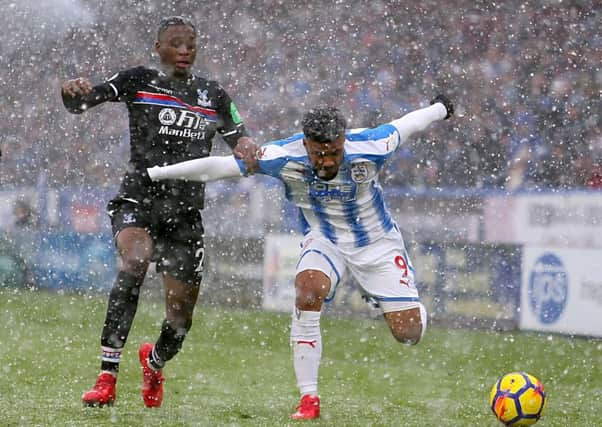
point(236, 370)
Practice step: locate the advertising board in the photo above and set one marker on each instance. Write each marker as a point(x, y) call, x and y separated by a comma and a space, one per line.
point(561, 291)
point(564, 219)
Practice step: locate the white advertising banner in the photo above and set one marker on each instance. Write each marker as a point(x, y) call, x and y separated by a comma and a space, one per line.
point(452, 226)
point(281, 254)
point(561, 291)
point(565, 219)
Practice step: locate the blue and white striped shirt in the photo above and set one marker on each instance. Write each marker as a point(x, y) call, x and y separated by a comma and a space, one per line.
point(348, 209)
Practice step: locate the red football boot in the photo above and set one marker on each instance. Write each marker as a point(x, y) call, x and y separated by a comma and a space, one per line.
point(308, 409)
point(103, 392)
point(152, 381)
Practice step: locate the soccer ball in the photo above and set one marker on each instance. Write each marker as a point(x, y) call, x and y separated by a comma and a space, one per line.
point(518, 399)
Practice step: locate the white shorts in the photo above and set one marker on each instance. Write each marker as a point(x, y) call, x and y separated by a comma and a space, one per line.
point(382, 269)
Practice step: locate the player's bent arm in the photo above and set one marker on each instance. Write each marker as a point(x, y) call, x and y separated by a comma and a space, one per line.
point(79, 103)
point(418, 120)
point(206, 169)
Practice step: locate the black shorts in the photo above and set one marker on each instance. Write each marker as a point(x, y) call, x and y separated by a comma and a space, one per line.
point(177, 233)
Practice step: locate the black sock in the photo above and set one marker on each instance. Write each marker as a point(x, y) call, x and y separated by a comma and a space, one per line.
point(169, 343)
point(123, 302)
point(154, 361)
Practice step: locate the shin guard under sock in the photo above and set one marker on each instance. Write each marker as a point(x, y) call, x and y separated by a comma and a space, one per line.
point(123, 302)
point(169, 344)
point(306, 341)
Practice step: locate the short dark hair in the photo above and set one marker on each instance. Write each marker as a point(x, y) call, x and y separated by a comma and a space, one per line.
point(170, 21)
point(323, 124)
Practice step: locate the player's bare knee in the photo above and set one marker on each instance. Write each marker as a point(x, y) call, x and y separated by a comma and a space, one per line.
point(311, 287)
point(406, 325)
point(308, 301)
point(136, 258)
point(135, 249)
point(135, 264)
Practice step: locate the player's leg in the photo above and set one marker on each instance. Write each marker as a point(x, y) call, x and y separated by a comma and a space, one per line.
point(135, 246)
point(386, 274)
point(180, 263)
point(180, 298)
point(318, 273)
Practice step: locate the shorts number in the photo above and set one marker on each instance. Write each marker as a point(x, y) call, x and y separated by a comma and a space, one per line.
point(200, 255)
point(403, 265)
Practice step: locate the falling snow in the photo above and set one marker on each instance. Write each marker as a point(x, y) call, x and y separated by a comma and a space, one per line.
point(518, 166)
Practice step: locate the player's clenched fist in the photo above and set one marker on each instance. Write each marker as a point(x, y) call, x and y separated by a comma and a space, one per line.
point(447, 103)
point(246, 150)
point(79, 86)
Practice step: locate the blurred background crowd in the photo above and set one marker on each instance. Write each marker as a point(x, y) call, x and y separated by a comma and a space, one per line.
point(525, 77)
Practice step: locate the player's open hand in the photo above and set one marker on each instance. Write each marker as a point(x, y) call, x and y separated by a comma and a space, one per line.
point(246, 150)
point(447, 103)
point(77, 87)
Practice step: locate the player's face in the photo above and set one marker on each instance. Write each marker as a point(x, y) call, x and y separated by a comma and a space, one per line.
point(326, 158)
point(177, 49)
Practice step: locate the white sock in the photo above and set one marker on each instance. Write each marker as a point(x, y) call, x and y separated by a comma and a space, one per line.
point(306, 341)
point(423, 319)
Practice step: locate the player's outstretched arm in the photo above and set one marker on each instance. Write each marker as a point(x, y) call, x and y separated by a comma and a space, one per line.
point(206, 169)
point(416, 121)
point(79, 94)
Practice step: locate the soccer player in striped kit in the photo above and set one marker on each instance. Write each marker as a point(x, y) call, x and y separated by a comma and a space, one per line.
point(331, 174)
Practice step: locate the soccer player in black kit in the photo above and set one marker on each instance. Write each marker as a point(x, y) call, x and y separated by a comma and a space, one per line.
point(174, 116)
